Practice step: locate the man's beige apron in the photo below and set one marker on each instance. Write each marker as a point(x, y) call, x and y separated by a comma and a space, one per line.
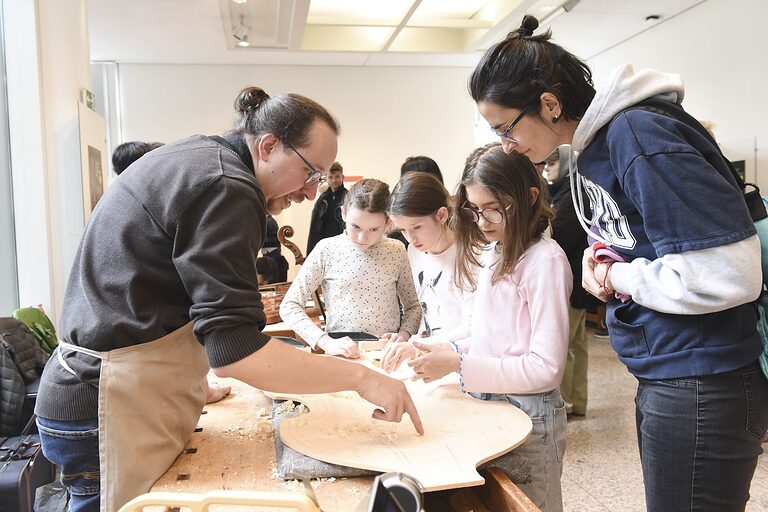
point(150, 399)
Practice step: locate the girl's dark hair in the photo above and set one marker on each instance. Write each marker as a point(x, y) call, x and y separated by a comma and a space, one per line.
point(369, 195)
point(509, 179)
point(515, 72)
point(287, 116)
point(418, 194)
point(421, 163)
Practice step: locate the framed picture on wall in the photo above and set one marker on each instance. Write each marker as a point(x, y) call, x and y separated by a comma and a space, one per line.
point(93, 158)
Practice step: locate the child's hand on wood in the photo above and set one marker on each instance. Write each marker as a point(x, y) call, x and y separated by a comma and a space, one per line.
point(396, 337)
point(345, 347)
point(436, 361)
point(395, 353)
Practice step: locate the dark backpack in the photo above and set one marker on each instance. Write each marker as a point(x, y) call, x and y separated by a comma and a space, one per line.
point(21, 362)
point(23, 348)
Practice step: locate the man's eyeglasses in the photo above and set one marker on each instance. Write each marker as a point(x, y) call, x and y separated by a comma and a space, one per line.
point(492, 215)
point(505, 134)
point(313, 175)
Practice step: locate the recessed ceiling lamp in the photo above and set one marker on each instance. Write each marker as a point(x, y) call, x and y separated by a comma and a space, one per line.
point(240, 1)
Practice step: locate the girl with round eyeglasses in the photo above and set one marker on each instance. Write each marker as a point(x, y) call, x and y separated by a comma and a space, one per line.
point(516, 339)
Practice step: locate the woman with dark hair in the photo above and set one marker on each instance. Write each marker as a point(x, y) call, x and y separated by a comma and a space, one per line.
point(685, 326)
point(164, 286)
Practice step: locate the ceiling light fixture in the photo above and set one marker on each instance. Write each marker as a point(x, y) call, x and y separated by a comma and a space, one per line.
point(544, 10)
point(240, 1)
point(243, 41)
point(241, 33)
point(553, 13)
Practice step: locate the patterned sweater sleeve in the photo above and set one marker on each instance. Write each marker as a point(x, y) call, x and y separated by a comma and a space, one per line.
point(292, 309)
point(406, 292)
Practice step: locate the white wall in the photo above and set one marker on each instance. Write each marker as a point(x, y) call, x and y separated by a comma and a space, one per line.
point(47, 66)
point(104, 85)
point(386, 113)
point(720, 48)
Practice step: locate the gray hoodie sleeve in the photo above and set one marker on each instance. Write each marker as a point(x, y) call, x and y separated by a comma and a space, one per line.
point(694, 282)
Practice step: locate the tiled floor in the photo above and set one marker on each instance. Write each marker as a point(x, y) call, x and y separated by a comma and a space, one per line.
point(602, 466)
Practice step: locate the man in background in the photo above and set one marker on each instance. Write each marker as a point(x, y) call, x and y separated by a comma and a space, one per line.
point(326, 215)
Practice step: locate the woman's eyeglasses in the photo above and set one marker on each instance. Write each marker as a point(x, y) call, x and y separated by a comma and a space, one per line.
point(313, 175)
point(492, 215)
point(505, 134)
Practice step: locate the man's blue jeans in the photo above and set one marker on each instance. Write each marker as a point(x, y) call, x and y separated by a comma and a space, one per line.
point(74, 447)
point(700, 438)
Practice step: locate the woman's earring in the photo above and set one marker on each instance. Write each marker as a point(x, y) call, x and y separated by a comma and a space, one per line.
point(556, 118)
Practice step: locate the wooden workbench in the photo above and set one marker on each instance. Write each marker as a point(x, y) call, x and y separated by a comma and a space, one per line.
point(233, 449)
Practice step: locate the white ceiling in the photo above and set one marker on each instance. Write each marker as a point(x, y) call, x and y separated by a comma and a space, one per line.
point(341, 32)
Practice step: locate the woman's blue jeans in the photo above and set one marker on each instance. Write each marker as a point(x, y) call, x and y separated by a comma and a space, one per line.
point(74, 447)
point(700, 438)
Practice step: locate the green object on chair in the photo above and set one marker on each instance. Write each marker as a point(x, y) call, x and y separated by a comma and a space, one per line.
point(40, 325)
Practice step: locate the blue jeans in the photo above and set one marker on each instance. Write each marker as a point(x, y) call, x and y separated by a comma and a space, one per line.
point(700, 438)
point(536, 465)
point(74, 447)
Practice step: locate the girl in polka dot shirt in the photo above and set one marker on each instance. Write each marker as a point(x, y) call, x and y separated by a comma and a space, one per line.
point(365, 278)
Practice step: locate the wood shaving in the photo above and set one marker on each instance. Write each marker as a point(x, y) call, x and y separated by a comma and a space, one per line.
point(292, 484)
point(291, 407)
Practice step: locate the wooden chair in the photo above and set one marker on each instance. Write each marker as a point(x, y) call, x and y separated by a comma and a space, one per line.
point(272, 294)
